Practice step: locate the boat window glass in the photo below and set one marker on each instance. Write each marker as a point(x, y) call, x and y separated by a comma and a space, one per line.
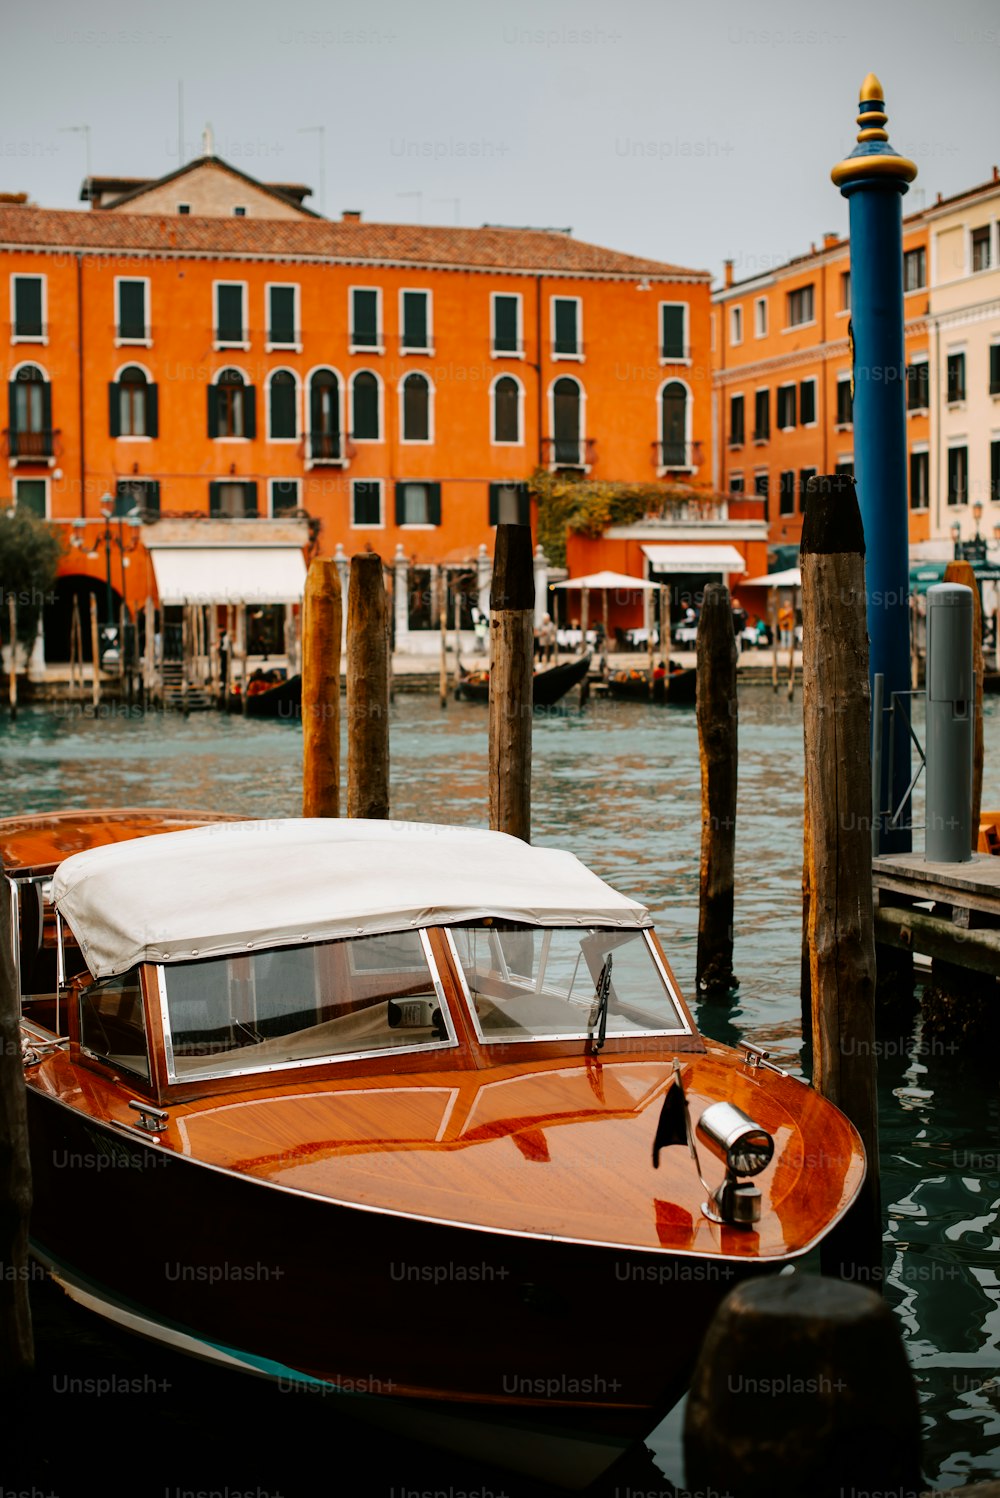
point(527, 983)
point(296, 1005)
point(111, 1022)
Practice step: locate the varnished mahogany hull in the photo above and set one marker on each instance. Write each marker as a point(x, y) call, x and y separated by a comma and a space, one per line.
point(524, 1331)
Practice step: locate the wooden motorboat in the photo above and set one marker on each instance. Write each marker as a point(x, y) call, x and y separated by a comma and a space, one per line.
point(677, 686)
point(281, 700)
point(388, 1111)
point(548, 687)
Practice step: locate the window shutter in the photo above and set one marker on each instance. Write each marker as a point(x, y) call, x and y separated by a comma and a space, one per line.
point(400, 505)
point(434, 504)
point(505, 324)
point(114, 413)
point(414, 319)
point(152, 412)
point(282, 315)
point(673, 333)
point(250, 500)
point(494, 507)
point(249, 411)
point(565, 326)
point(213, 410)
point(12, 405)
point(807, 402)
point(215, 499)
point(46, 407)
point(152, 496)
point(523, 505)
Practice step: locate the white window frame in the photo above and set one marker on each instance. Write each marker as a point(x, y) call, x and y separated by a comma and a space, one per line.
point(736, 322)
point(246, 382)
point(287, 348)
point(760, 317)
point(814, 382)
point(36, 478)
point(284, 441)
point(582, 439)
point(496, 441)
point(685, 336)
point(27, 275)
point(366, 348)
point(292, 478)
point(950, 351)
point(732, 395)
point(349, 432)
point(951, 444)
point(741, 476)
point(788, 385)
point(244, 316)
point(579, 357)
point(424, 292)
point(427, 441)
point(916, 449)
point(147, 317)
point(519, 336)
point(134, 364)
point(809, 322)
point(844, 426)
point(913, 250)
point(373, 526)
point(991, 246)
point(417, 525)
point(761, 441)
point(922, 358)
point(662, 468)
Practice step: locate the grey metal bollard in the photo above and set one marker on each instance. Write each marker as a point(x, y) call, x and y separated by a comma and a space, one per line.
point(951, 695)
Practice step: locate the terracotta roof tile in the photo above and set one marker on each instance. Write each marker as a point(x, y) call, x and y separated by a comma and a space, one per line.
point(523, 250)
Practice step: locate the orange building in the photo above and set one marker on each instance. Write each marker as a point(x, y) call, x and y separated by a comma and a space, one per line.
point(782, 361)
point(203, 348)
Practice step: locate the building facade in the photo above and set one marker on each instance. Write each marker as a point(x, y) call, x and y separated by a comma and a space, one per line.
point(203, 346)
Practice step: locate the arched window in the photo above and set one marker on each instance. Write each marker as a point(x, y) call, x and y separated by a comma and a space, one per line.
point(416, 408)
point(673, 425)
point(231, 406)
point(281, 406)
point(506, 410)
point(364, 390)
point(132, 402)
point(566, 421)
point(30, 413)
point(324, 415)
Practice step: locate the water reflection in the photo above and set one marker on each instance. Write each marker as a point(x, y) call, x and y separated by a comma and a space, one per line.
point(619, 785)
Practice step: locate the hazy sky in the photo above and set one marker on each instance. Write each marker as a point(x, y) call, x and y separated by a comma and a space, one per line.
point(689, 132)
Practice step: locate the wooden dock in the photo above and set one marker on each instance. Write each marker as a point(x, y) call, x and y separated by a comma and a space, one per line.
point(962, 926)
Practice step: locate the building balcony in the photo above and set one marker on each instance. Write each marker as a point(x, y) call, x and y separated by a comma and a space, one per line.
point(676, 457)
point(326, 450)
point(569, 452)
point(32, 447)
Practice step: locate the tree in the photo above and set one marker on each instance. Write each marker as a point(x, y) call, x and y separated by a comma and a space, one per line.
point(29, 556)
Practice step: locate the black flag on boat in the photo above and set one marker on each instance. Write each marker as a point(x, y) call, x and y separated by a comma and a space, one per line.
point(672, 1127)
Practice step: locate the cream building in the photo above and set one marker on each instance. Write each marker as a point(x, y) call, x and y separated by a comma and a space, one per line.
point(965, 369)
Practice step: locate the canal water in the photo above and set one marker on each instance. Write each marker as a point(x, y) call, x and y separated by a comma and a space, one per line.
point(619, 785)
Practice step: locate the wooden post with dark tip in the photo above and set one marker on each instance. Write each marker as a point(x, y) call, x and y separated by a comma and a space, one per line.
point(16, 1344)
point(321, 629)
point(962, 572)
point(802, 1386)
point(95, 655)
point(367, 690)
point(718, 741)
point(443, 676)
point(775, 611)
point(512, 638)
point(837, 729)
point(12, 639)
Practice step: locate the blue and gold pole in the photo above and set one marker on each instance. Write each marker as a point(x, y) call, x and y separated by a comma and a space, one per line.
point(873, 179)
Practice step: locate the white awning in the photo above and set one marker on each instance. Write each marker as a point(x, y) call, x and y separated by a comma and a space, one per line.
point(240, 886)
point(229, 574)
point(695, 558)
point(619, 581)
point(790, 578)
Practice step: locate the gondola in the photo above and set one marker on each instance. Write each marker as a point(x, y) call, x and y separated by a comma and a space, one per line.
point(547, 688)
point(283, 700)
point(677, 687)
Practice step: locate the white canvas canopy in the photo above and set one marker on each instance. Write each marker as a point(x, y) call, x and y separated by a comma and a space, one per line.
point(616, 580)
point(790, 578)
point(240, 886)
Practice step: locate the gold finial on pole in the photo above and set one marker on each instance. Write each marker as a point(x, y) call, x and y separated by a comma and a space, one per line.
point(873, 156)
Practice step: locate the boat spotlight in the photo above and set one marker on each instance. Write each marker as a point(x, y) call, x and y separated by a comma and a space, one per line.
point(745, 1149)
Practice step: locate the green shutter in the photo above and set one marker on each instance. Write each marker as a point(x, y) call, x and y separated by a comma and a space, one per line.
point(47, 407)
point(415, 319)
point(364, 319)
point(672, 346)
point(230, 313)
point(400, 504)
point(213, 410)
point(131, 309)
point(250, 500)
point(152, 412)
point(523, 505)
point(28, 307)
point(281, 315)
point(505, 324)
point(364, 397)
point(807, 402)
point(494, 504)
point(434, 504)
point(566, 334)
point(215, 499)
point(114, 410)
point(249, 411)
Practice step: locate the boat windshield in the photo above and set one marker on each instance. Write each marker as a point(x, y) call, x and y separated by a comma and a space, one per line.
point(527, 983)
point(297, 1005)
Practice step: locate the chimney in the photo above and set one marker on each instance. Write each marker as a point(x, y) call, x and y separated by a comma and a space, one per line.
point(351, 216)
point(996, 174)
point(729, 272)
point(829, 240)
